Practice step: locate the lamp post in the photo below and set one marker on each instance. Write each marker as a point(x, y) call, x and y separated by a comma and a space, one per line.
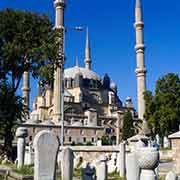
point(77, 28)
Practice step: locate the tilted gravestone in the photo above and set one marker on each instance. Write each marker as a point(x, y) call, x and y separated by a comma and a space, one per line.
point(45, 148)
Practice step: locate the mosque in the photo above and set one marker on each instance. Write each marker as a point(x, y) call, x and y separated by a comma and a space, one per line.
point(91, 106)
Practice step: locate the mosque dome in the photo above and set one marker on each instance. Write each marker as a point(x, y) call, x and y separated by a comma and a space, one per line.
point(76, 70)
point(77, 124)
point(47, 122)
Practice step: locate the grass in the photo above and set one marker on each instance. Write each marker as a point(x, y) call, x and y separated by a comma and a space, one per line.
point(25, 170)
point(115, 176)
point(2, 177)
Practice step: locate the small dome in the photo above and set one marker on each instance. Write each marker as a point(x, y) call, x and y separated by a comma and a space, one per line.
point(86, 73)
point(128, 98)
point(77, 123)
point(33, 121)
point(47, 122)
point(113, 85)
point(65, 123)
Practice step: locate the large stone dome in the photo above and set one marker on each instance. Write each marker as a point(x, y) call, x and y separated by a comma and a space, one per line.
point(86, 73)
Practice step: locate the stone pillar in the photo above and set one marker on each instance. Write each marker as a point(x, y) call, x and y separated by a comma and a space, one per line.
point(119, 122)
point(67, 164)
point(21, 134)
point(102, 171)
point(45, 155)
point(140, 70)
point(122, 161)
point(59, 66)
point(26, 89)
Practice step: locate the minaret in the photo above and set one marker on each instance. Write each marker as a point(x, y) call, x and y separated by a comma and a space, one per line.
point(87, 52)
point(140, 70)
point(59, 67)
point(26, 89)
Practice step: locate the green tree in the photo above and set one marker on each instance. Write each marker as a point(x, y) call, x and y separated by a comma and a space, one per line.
point(163, 108)
point(11, 113)
point(28, 42)
point(128, 129)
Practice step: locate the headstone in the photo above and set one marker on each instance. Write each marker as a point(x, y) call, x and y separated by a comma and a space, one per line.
point(88, 172)
point(158, 139)
point(102, 170)
point(45, 148)
point(166, 142)
point(29, 155)
point(122, 160)
point(132, 167)
point(112, 163)
point(21, 134)
point(171, 176)
point(67, 164)
point(99, 143)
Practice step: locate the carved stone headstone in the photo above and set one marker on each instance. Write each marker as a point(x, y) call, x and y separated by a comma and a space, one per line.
point(45, 148)
point(21, 134)
point(102, 170)
point(67, 164)
point(148, 160)
point(171, 176)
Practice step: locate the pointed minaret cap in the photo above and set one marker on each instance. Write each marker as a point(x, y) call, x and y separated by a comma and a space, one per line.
point(87, 51)
point(77, 61)
point(138, 3)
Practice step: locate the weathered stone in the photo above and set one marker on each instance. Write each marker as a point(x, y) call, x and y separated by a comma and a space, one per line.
point(67, 164)
point(102, 170)
point(171, 176)
point(122, 161)
point(21, 134)
point(132, 167)
point(46, 148)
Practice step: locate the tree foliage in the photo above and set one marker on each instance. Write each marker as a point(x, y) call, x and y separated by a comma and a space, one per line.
point(27, 43)
point(11, 113)
point(128, 128)
point(163, 108)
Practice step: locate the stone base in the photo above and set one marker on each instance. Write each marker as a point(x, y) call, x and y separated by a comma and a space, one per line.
point(148, 175)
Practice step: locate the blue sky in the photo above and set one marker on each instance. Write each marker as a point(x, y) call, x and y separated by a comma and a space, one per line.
point(112, 37)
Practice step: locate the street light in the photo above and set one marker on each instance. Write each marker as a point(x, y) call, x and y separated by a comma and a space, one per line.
point(77, 28)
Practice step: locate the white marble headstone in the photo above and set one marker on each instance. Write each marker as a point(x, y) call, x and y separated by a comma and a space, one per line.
point(45, 148)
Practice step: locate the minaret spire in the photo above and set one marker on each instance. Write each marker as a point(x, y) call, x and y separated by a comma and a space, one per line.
point(140, 69)
point(59, 66)
point(87, 51)
point(77, 61)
